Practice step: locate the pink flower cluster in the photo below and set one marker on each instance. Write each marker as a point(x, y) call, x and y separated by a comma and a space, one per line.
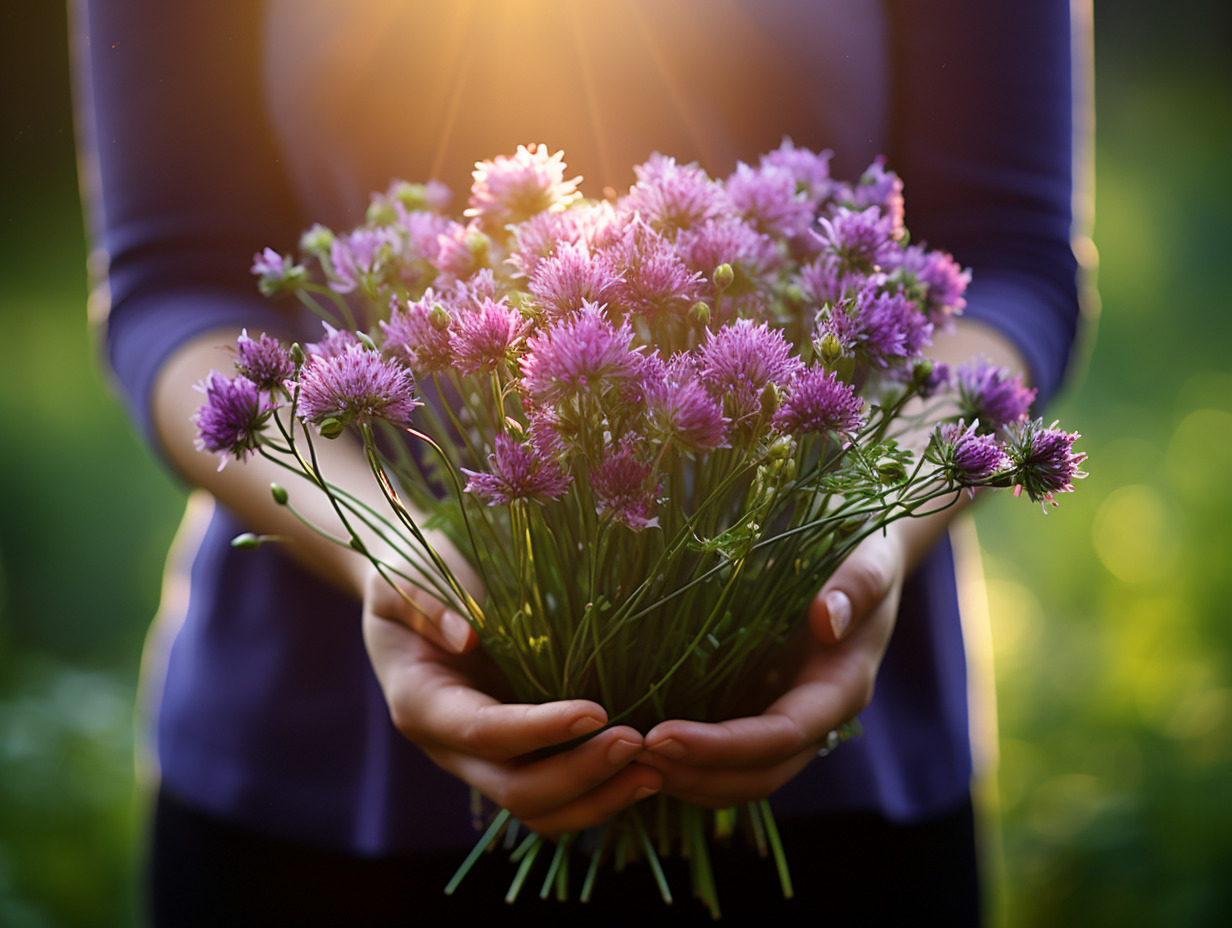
point(690, 315)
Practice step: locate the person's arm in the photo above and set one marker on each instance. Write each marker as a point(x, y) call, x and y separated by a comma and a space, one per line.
point(983, 116)
point(189, 186)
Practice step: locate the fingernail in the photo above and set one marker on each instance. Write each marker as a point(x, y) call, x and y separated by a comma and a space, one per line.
point(838, 607)
point(671, 749)
point(643, 792)
point(585, 725)
point(622, 751)
point(455, 629)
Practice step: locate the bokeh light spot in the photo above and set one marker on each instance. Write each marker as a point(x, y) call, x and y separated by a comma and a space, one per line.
point(1135, 534)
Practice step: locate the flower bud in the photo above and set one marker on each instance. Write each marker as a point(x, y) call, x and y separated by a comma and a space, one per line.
point(332, 428)
point(366, 340)
point(297, 355)
point(769, 400)
point(439, 316)
point(829, 349)
point(381, 213)
point(247, 541)
point(413, 196)
point(279, 494)
point(922, 371)
point(317, 241)
point(891, 471)
point(724, 276)
point(699, 312)
point(477, 244)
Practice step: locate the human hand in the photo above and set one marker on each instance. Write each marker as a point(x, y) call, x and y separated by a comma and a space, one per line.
point(447, 703)
point(746, 759)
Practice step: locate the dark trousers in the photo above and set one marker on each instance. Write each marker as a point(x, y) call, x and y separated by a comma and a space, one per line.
point(850, 869)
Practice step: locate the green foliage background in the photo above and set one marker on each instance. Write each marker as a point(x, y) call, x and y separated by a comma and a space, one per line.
point(1110, 615)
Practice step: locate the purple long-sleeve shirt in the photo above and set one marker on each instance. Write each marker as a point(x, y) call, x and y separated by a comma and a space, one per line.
point(219, 128)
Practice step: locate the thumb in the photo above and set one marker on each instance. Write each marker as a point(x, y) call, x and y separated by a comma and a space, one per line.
point(423, 614)
point(869, 575)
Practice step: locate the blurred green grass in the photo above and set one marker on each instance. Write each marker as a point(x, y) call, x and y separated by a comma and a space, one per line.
point(1110, 615)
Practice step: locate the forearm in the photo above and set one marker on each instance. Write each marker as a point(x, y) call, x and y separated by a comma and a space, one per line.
point(244, 488)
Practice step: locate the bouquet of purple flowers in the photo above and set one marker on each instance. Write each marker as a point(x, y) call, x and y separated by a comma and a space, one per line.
point(666, 416)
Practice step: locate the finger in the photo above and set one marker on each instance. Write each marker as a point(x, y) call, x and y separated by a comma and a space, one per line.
point(799, 720)
point(857, 588)
point(717, 788)
point(421, 613)
point(600, 805)
point(435, 703)
point(543, 787)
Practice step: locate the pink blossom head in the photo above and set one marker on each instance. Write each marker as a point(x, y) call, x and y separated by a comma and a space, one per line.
point(517, 472)
point(584, 353)
point(417, 333)
point(277, 273)
point(653, 278)
point(769, 199)
point(810, 170)
point(623, 488)
point(878, 186)
point(679, 408)
point(230, 421)
point(264, 361)
point(1045, 462)
point(988, 395)
point(487, 337)
point(572, 276)
point(673, 196)
point(509, 189)
point(816, 401)
point(940, 280)
point(879, 328)
point(740, 360)
point(357, 385)
point(965, 456)
point(861, 239)
point(336, 341)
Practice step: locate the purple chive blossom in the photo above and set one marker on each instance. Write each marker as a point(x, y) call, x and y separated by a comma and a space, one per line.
point(538, 237)
point(1044, 459)
point(582, 354)
point(358, 258)
point(264, 361)
point(335, 342)
point(622, 488)
point(517, 473)
point(817, 401)
point(964, 455)
point(861, 239)
point(884, 189)
point(990, 395)
point(418, 335)
point(727, 240)
point(510, 189)
point(277, 273)
point(680, 409)
point(881, 329)
point(941, 278)
point(653, 279)
point(768, 198)
point(486, 338)
point(357, 385)
point(673, 196)
point(740, 360)
point(810, 171)
point(572, 276)
point(461, 250)
point(826, 280)
point(230, 421)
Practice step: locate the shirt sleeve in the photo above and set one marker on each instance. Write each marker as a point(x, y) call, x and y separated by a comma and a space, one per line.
point(984, 137)
point(181, 174)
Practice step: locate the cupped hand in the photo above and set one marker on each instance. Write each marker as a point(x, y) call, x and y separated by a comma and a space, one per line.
point(447, 703)
point(746, 759)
